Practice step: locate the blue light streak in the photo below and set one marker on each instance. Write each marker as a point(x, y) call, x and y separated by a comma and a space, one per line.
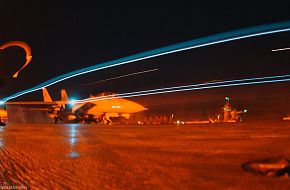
point(229, 83)
point(197, 43)
point(204, 87)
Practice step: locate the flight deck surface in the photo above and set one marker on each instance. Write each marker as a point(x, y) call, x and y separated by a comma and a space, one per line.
point(201, 156)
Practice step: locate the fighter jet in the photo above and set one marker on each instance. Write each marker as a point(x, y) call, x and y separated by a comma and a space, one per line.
point(97, 110)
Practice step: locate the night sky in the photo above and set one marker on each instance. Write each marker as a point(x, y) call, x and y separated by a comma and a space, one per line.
point(66, 36)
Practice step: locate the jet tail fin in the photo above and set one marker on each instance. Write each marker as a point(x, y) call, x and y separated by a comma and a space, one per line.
point(64, 96)
point(46, 96)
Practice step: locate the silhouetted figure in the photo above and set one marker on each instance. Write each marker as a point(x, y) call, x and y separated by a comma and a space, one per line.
point(227, 110)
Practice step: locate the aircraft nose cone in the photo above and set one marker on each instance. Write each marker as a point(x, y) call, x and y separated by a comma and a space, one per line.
point(142, 108)
point(139, 108)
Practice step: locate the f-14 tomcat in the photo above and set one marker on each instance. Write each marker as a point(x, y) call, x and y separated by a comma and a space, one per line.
point(97, 110)
point(94, 109)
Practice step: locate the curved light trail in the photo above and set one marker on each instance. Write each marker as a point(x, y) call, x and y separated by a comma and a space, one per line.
point(228, 83)
point(24, 46)
point(197, 43)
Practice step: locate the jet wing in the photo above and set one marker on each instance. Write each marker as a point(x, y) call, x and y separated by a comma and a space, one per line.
point(30, 103)
point(35, 105)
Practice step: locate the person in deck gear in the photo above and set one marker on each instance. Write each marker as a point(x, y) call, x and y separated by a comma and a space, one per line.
point(227, 110)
